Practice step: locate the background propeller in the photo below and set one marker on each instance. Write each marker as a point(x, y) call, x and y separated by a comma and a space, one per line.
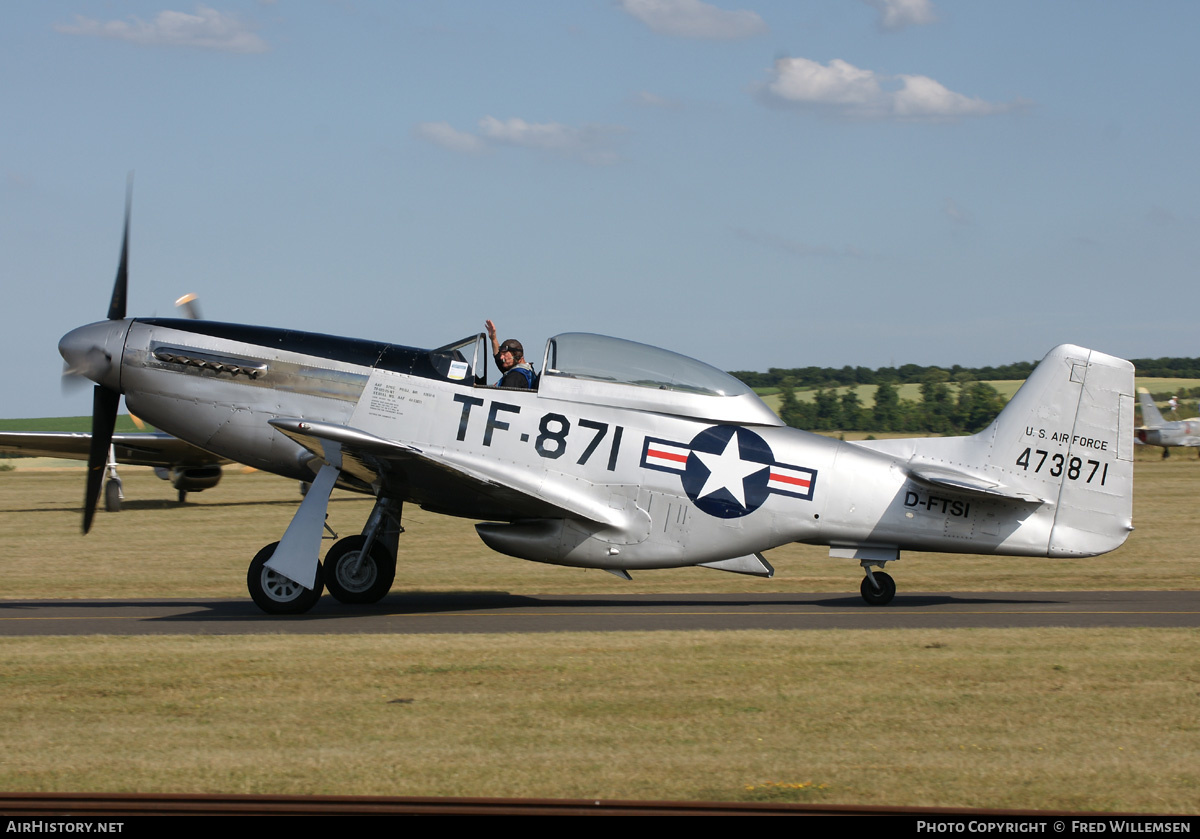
point(191, 308)
point(105, 401)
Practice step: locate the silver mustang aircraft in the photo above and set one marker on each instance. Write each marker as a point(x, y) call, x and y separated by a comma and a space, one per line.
point(1156, 431)
point(623, 457)
point(188, 468)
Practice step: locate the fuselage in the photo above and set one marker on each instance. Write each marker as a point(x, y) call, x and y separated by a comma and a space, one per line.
point(1180, 433)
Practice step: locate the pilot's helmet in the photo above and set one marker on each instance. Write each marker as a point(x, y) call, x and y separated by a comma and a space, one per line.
point(514, 346)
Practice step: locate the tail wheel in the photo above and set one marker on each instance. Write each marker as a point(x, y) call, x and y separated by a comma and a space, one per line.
point(274, 593)
point(885, 593)
point(350, 580)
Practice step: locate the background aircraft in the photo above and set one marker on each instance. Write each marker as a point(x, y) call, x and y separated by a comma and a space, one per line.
point(1157, 431)
point(188, 468)
point(625, 457)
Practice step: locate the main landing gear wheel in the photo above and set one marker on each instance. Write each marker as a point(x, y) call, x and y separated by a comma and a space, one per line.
point(112, 497)
point(369, 582)
point(882, 597)
point(274, 593)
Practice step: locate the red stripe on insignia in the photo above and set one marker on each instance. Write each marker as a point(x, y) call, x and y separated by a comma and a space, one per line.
point(788, 479)
point(679, 458)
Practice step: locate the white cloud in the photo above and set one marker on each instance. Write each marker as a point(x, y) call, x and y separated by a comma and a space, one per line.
point(921, 96)
point(442, 134)
point(207, 29)
point(895, 15)
point(802, 81)
point(842, 89)
point(590, 144)
point(695, 19)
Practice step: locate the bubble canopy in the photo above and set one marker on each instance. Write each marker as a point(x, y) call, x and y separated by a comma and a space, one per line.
point(600, 358)
point(609, 369)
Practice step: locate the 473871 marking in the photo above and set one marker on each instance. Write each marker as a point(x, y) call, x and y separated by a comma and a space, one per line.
point(1075, 467)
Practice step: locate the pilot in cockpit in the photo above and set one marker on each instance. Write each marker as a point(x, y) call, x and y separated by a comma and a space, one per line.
point(510, 358)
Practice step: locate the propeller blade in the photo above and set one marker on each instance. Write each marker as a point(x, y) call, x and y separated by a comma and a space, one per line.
point(72, 380)
point(91, 364)
point(104, 419)
point(116, 307)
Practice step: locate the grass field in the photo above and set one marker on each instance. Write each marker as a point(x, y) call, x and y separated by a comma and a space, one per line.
point(124, 424)
point(1022, 718)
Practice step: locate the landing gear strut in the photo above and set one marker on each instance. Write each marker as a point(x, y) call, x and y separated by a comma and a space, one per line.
point(358, 569)
point(112, 488)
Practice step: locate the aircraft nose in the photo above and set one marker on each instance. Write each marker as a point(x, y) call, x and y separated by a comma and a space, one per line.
point(94, 351)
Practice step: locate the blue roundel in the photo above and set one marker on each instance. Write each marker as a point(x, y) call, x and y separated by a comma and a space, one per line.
point(727, 471)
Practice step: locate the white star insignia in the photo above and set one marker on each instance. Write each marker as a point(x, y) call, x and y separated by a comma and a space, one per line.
point(728, 471)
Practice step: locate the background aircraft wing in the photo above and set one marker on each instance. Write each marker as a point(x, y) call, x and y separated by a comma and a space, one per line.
point(138, 448)
point(460, 484)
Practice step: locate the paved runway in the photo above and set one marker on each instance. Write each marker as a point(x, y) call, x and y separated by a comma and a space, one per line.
point(481, 612)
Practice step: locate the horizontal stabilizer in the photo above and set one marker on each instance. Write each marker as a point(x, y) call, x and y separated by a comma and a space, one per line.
point(940, 476)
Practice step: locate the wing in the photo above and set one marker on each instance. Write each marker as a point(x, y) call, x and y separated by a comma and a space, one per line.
point(458, 484)
point(139, 448)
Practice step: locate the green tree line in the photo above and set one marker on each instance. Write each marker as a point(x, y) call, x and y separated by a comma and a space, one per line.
point(953, 400)
point(945, 407)
point(802, 377)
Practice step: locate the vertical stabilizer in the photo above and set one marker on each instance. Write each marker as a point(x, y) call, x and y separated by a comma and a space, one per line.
point(1151, 416)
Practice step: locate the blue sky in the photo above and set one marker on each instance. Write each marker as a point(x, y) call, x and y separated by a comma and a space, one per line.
point(756, 184)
